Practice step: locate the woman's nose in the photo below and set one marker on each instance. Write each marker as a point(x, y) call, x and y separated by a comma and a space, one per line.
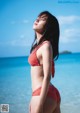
point(37, 20)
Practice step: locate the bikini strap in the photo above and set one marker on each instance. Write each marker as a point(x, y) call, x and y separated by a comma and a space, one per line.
point(53, 68)
point(36, 48)
point(53, 64)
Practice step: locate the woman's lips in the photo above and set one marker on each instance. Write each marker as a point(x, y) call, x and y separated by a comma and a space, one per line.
point(35, 23)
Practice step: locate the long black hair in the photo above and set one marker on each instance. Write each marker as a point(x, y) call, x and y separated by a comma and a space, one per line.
point(51, 34)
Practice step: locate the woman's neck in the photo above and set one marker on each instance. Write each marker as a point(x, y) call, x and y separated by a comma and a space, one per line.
point(38, 37)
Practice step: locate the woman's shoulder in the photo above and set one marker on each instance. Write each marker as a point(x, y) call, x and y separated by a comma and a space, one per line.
point(46, 49)
point(46, 44)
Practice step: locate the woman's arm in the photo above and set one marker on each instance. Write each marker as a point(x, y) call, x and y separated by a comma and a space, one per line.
point(47, 63)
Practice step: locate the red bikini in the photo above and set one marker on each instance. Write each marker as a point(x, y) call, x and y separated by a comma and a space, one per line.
point(33, 60)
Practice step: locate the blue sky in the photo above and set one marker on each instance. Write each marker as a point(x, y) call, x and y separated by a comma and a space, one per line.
point(16, 21)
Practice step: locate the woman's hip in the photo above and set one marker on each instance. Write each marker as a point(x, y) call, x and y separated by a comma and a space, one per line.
point(52, 93)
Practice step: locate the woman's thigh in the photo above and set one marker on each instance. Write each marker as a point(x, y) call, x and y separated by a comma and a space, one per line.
point(48, 107)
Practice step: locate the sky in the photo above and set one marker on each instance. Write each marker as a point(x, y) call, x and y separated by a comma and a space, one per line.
point(17, 18)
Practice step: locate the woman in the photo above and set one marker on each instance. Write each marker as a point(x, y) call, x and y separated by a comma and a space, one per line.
point(45, 97)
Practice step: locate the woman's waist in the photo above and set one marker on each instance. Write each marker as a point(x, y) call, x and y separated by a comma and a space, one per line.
point(37, 86)
point(36, 70)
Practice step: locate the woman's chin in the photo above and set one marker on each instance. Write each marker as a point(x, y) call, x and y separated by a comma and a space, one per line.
point(35, 29)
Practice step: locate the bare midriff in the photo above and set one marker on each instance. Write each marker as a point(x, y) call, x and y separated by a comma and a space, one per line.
point(37, 76)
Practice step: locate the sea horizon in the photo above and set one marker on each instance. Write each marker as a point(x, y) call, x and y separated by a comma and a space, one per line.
point(15, 82)
point(60, 53)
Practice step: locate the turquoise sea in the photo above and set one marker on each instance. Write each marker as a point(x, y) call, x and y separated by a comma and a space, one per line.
point(15, 83)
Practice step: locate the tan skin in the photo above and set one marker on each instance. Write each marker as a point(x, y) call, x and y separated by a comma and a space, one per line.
point(41, 75)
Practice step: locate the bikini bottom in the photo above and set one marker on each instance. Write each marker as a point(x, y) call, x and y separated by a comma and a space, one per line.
point(52, 92)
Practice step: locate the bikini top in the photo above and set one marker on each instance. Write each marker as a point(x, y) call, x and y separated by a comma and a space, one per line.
point(33, 60)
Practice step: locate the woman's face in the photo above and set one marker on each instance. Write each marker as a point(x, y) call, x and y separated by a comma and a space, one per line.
point(40, 23)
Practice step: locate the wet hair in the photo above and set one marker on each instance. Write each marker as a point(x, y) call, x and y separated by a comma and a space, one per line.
point(51, 34)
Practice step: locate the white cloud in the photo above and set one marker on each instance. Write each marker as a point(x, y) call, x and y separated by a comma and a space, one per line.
point(21, 41)
point(70, 35)
point(25, 21)
point(68, 19)
point(18, 42)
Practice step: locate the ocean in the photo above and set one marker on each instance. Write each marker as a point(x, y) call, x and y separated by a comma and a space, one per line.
point(15, 82)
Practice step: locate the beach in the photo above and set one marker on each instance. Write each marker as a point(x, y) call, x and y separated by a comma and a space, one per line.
point(15, 82)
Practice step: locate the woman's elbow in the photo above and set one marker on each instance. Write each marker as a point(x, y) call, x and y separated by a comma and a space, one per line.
point(47, 77)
